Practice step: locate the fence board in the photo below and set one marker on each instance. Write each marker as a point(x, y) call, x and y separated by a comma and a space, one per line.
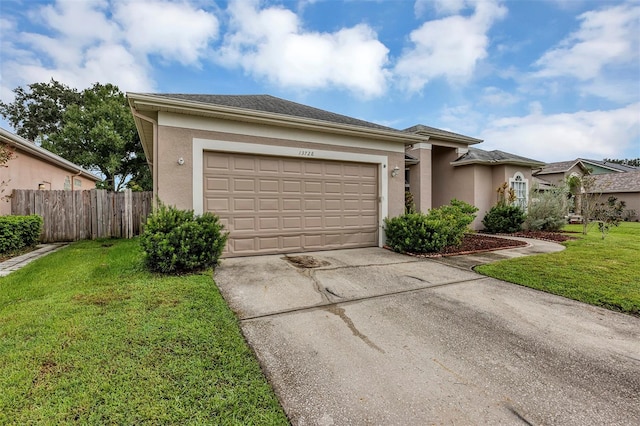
point(78, 215)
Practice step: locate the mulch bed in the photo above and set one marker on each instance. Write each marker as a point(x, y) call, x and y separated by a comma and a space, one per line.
point(478, 243)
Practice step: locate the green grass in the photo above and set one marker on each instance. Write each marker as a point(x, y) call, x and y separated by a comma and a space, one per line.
point(87, 336)
point(599, 272)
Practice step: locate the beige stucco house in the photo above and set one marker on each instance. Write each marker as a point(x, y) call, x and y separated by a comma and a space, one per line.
point(286, 177)
point(34, 167)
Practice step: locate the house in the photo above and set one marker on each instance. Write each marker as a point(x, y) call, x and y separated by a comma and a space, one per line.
point(34, 167)
point(286, 177)
point(624, 186)
point(610, 179)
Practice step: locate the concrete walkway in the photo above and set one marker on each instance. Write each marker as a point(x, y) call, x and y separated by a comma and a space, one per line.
point(15, 263)
point(372, 337)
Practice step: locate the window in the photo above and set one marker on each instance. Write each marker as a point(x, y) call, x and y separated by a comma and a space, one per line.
point(520, 186)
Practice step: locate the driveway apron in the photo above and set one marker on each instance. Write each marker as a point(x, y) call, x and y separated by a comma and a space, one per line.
point(367, 336)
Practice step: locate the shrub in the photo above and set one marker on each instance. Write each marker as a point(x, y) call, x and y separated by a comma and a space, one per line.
point(18, 232)
point(176, 241)
point(503, 218)
point(416, 233)
point(457, 216)
point(547, 210)
point(431, 232)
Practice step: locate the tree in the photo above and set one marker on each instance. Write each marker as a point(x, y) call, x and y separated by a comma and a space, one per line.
point(634, 162)
point(547, 209)
point(93, 128)
point(6, 154)
point(609, 214)
point(37, 111)
point(583, 188)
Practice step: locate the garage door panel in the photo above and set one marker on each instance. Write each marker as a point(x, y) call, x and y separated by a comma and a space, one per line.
point(275, 205)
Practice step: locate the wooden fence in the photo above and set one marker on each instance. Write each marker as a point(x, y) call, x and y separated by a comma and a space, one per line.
point(84, 215)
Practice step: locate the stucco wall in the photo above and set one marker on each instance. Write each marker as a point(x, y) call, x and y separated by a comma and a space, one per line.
point(420, 178)
point(175, 182)
point(27, 172)
point(448, 181)
point(632, 200)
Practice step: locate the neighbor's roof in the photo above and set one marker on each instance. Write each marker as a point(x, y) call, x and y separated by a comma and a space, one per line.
point(480, 156)
point(22, 144)
point(617, 182)
point(565, 166)
point(441, 134)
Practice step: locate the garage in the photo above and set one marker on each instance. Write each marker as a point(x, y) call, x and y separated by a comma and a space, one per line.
point(272, 204)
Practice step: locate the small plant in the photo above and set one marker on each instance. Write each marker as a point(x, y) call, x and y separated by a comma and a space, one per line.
point(609, 214)
point(409, 203)
point(504, 217)
point(431, 232)
point(176, 241)
point(19, 232)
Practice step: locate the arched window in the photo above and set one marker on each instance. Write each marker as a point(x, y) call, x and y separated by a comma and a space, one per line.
point(520, 186)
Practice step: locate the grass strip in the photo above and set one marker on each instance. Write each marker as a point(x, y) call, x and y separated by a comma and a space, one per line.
point(600, 272)
point(88, 336)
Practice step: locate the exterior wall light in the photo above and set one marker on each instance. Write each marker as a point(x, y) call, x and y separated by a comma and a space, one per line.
point(180, 161)
point(395, 171)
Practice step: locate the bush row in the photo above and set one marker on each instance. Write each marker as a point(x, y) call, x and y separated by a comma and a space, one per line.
point(18, 232)
point(431, 232)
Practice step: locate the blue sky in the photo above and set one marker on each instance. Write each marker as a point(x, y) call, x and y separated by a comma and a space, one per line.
point(548, 79)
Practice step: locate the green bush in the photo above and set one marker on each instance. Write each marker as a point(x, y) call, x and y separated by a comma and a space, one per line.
point(18, 232)
point(547, 209)
point(431, 232)
point(503, 218)
point(176, 241)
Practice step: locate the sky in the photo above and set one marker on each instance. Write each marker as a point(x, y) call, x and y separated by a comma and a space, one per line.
point(552, 80)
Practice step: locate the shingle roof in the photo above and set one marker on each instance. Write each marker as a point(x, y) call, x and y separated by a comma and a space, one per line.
point(564, 166)
point(274, 105)
point(476, 155)
point(617, 182)
point(421, 128)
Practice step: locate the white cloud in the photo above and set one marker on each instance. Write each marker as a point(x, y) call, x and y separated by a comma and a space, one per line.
point(82, 42)
point(175, 31)
point(449, 47)
point(272, 44)
point(558, 137)
point(442, 7)
point(497, 97)
point(606, 38)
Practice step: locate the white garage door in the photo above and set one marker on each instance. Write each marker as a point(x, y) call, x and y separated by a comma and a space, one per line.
point(279, 205)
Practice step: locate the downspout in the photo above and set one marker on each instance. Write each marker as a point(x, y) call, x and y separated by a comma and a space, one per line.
point(72, 179)
point(154, 171)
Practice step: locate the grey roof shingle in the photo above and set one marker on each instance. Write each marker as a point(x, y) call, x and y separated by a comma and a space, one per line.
point(476, 155)
point(428, 129)
point(617, 182)
point(564, 166)
point(274, 105)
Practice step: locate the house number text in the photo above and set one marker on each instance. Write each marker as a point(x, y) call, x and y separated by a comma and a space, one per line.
point(303, 153)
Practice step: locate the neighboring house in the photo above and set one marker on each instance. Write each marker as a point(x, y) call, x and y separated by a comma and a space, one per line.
point(624, 186)
point(557, 173)
point(621, 181)
point(36, 168)
point(286, 177)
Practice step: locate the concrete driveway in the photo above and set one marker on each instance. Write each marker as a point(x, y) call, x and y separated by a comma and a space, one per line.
point(368, 336)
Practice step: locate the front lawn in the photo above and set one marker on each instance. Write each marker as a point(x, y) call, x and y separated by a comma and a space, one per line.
point(600, 272)
point(87, 336)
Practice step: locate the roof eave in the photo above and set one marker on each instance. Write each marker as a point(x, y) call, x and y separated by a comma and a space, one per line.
point(32, 149)
point(531, 164)
point(141, 101)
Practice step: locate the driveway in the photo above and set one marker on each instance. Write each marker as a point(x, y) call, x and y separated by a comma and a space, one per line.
point(368, 336)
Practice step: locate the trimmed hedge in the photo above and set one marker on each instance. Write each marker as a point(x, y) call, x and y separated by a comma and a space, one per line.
point(503, 219)
point(176, 241)
point(19, 232)
point(431, 232)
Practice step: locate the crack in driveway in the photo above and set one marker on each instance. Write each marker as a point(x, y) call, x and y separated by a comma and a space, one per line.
point(338, 311)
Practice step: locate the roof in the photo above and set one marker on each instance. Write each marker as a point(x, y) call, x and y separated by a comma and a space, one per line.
point(480, 156)
point(565, 166)
point(617, 182)
point(31, 148)
point(272, 104)
point(258, 109)
point(441, 134)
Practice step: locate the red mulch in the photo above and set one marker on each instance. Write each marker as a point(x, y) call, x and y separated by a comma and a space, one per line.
point(476, 243)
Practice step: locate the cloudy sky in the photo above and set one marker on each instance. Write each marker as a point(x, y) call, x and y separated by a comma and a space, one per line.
point(548, 79)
